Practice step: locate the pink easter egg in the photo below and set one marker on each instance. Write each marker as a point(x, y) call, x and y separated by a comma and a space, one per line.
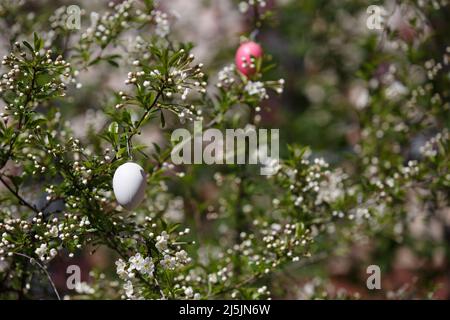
point(246, 51)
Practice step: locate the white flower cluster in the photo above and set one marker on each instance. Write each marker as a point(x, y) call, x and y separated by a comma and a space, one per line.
point(171, 208)
point(359, 214)
point(315, 174)
point(359, 96)
point(331, 188)
point(244, 6)
point(145, 266)
point(271, 166)
point(226, 76)
point(161, 241)
point(162, 23)
point(430, 148)
point(106, 26)
point(396, 90)
point(181, 79)
point(44, 253)
point(281, 242)
point(433, 68)
point(129, 290)
point(174, 211)
point(411, 169)
point(136, 263)
point(58, 68)
point(262, 291)
point(84, 288)
point(172, 262)
point(189, 292)
point(48, 235)
point(256, 89)
point(259, 88)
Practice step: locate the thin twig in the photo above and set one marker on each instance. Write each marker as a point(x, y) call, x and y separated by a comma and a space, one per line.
point(22, 201)
point(33, 260)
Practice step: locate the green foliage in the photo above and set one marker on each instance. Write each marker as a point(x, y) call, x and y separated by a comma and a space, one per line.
point(205, 232)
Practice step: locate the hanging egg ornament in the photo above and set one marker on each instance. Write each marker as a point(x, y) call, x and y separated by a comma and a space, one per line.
point(246, 56)
point(129, 183)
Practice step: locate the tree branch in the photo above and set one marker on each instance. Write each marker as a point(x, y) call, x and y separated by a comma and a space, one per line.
point(22, 201)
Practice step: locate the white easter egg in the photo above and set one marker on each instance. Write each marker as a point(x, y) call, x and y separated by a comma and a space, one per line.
point(129, 183)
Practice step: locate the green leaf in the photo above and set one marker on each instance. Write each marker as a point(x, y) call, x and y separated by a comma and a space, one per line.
point(157, 147)
point(173, 227)
point(165, 60)
point(155, 51)
point(299, 229)
point(38, 42)
point(164, 224)
point(112, 56)
point(28, 45)
point(174, 58)
point(126, 117)
point(268, 67)
point(113, 63)
point(95, 61)
point(113, 130)
point(120, 153)
point(163, 120)
point(114, 127)
point(143, 153)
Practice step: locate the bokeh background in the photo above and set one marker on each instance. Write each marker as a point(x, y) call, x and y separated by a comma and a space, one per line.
point(330, 61)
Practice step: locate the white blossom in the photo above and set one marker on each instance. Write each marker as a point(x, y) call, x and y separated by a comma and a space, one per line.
point(161, 241)
point(256, 89)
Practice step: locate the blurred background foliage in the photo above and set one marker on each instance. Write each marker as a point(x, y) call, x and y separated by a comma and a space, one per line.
point(336, 102)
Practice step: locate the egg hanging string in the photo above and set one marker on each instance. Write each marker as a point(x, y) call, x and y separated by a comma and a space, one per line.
point(130, 154)
point(254, 34)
